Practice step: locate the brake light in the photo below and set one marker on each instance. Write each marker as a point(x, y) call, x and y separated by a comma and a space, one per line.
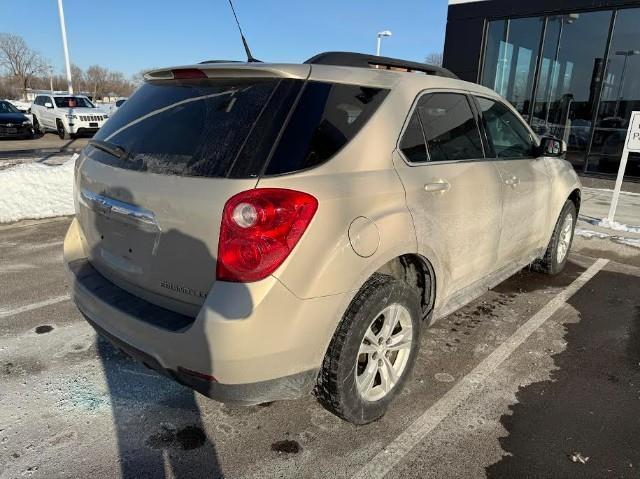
point(259, 229)
point(188, 73)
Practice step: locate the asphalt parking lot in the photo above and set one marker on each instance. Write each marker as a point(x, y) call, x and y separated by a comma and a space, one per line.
point(515, 384)
point(49, 142)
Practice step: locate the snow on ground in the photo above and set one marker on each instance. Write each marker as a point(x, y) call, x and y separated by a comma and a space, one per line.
point(36, 190)
point(588, 234)
point(614, 225)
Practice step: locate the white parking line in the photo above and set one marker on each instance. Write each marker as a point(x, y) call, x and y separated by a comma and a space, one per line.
point(384, 461)
point(4, 313)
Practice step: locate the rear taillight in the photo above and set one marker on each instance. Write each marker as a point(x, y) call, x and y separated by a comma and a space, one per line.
point(259, 229)
point(188, 73)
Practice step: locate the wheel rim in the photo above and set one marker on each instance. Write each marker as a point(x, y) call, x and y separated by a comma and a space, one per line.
point(60, 130)
point(564, 242)
point(384, 352)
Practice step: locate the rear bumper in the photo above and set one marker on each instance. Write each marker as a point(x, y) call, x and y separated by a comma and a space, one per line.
point(289, 387)
point(249, 343)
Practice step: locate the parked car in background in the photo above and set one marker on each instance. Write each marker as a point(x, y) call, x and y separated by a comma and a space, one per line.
point(13, 123)
point(67, 115)
point(23, 106)
point(111, 108)
point(258, 231)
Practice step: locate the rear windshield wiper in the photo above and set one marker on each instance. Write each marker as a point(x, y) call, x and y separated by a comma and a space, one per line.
point(111, 148)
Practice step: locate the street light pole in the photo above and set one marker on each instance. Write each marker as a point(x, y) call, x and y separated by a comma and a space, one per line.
point(63, 28)
point(385, 33)
point(51, 78)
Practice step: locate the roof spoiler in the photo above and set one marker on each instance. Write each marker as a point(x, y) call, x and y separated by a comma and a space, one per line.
point(362, 60)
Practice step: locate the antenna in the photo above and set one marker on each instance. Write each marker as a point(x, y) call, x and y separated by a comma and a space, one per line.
point(250, 58)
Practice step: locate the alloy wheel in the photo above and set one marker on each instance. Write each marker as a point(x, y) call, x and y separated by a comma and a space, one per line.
point(564, 241)
point(384, 352)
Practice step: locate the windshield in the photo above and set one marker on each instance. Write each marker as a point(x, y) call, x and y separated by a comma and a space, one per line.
point(72, 102)
point(6, 107)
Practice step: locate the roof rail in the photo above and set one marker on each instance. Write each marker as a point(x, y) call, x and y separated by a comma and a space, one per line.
point(362, 60)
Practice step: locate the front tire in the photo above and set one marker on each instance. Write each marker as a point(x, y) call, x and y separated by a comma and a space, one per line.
point(36, 127)
point(557, 254)
point(372, 352)
point(63, 134)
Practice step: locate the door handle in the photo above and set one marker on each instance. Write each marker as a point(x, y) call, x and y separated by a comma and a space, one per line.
point(440, 186)
point(513, 181)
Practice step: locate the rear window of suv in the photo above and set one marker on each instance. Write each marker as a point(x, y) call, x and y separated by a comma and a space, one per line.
point(235, 128)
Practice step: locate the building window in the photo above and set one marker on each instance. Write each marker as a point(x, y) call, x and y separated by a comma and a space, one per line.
point(512, 52)
point(620, 96)
point(560, 88)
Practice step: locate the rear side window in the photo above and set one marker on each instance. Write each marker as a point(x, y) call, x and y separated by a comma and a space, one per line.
point(508, 137)
point(450, 127)
point(236, 128)
point(326, 118)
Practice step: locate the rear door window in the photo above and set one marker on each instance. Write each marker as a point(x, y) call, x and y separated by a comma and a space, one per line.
point(450, 127)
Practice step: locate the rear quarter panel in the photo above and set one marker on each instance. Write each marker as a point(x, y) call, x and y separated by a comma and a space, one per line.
point(359, 181)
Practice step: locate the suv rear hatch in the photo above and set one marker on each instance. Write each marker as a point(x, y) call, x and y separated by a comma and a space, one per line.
point(152, 185)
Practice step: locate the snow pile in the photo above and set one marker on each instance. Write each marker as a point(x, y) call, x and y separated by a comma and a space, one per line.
point(614, 225)
point(588, 234)
point(34, 191)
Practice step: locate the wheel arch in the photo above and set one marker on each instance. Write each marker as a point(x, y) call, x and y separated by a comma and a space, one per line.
point(417, 271)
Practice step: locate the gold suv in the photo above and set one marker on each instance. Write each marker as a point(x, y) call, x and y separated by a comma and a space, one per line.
point(260, 231)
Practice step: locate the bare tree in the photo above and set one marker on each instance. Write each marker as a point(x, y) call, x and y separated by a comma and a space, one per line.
point(434, 58)
point(77, 79)
point(19, 60)
point(97, 79)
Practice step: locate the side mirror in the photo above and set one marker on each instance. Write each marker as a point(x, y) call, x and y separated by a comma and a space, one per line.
point(49, 105)
point(550, 146)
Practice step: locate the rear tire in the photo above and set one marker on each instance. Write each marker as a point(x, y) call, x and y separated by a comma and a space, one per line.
point(372, 351)
point(557, 254)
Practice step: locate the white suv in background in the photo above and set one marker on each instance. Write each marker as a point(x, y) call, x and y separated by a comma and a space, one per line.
point(68, 115)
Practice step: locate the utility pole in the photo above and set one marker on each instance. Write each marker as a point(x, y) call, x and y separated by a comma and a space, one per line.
point(63, 28)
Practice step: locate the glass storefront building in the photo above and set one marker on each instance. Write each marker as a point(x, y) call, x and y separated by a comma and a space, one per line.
point(573, 73)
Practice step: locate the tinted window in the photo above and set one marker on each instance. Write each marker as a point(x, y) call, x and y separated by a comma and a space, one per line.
point(508, 136)
point(412, 143)
point(119, 103)
point(324, 120)
point(6, 107)
point(194, 127)
point(450, 127)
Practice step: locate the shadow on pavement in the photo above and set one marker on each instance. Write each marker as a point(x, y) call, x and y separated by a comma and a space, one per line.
point(158, 424)
point(591, 404)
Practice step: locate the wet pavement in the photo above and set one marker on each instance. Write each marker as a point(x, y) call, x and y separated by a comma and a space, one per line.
point(72, 406)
